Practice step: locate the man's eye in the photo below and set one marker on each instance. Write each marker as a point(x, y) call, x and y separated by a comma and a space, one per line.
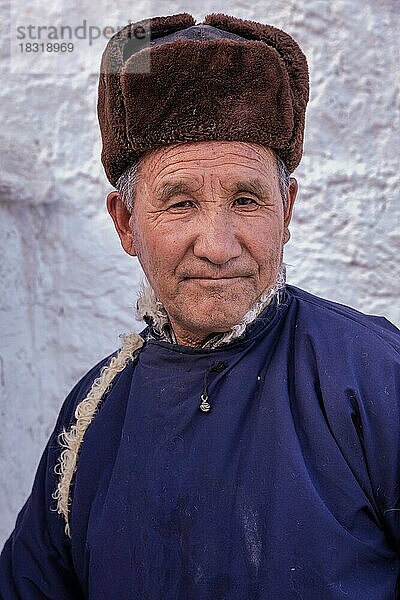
point(183, 204)
point(244, 201)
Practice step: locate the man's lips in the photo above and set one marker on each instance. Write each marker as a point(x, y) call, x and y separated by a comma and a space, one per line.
point(213, 278)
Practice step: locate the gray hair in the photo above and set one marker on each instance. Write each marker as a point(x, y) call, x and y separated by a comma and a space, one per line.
point(126, 184)
point(283, 178)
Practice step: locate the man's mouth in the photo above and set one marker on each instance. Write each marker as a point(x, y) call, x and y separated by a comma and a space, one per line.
point(216, 279)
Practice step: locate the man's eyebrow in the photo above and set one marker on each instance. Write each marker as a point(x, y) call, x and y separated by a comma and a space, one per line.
point(256, 186)
point(170, 189)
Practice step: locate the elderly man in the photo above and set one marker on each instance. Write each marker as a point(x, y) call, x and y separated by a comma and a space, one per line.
point(246, 444)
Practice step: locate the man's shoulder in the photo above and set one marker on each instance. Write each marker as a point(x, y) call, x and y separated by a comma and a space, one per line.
point(340, 323)
point(103, 376)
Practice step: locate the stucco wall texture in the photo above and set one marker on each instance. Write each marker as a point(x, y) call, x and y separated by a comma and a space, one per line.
point(66, 287)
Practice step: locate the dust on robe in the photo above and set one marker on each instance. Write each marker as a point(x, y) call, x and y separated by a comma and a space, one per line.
point(288, 488)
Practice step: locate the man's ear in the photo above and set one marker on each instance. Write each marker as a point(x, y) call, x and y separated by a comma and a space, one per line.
point(122, 221)
point(290, 198)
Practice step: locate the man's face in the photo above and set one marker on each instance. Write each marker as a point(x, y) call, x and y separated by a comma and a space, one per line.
point(208, 227)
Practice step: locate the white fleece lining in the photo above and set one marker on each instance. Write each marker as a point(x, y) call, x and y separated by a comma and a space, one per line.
point(85, 412)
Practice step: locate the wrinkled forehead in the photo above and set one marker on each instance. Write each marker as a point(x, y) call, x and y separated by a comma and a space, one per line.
point(210, 151)
point(219, 163)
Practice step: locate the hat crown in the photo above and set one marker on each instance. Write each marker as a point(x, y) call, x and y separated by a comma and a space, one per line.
point(198, 32)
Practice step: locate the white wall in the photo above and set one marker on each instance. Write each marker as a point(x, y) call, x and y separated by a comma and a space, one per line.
point(66, 288)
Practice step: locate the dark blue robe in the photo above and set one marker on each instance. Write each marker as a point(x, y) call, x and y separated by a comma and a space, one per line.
point(288, 488)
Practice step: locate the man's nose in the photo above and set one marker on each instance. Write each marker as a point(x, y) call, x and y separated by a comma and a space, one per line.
point(216, 240)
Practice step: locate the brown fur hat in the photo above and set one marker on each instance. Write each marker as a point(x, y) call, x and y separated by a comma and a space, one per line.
point(166, 80)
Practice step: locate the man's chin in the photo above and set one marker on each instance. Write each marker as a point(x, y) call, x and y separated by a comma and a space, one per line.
point(222, 294)
point(207, 308)
point(211, 320)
